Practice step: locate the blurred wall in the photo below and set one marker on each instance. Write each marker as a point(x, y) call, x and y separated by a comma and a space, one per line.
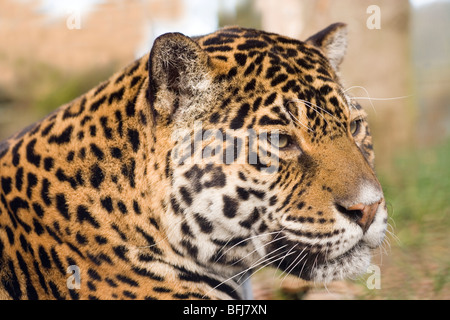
point(44, 54)
point(431, 52)
point(378, 60)
point(112, 31)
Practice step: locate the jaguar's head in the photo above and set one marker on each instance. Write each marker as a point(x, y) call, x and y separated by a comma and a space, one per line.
point(269, 161)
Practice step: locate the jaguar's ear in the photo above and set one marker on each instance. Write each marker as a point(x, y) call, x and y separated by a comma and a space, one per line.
point(333, 42)
point(178, 73)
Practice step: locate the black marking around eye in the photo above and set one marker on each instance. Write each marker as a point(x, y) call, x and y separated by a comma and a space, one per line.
point(334, 101)
point(267, 121)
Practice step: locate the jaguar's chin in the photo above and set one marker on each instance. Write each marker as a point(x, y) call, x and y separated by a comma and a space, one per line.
point(351, 264)
point(315, 266)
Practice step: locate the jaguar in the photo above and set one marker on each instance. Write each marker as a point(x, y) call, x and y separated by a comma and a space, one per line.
point(103, 198)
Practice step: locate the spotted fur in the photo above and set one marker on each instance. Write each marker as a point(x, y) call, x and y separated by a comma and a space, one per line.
point(97, 185)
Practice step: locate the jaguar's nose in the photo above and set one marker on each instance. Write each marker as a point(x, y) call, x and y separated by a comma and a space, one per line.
point(360, 213)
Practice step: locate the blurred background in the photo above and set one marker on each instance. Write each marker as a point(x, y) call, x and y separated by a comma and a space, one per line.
point(51, 51)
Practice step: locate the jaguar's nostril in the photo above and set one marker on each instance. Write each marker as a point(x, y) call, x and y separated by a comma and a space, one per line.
point(353, 214)
point(360, 213)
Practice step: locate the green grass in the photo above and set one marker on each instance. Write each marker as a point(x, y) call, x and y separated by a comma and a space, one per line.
point(417, 190)
point(418, 193)
point(58, 88)
point(40, 88)
point(43, 88)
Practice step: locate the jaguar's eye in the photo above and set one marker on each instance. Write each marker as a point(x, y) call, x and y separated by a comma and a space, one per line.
point(355, 127)
point(282, 142)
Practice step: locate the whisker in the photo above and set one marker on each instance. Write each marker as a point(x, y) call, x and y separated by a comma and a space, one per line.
point(393, 222)
point(385, 246)
point(244, 271)
point(300, 122)
point(382, 99)
point(314, 266)
point(393, 235)
point(368, 97)
point(288, 272)
point(367, 93)
point(381, 254)
point(301, 270)
point(289, 269)
point(279, 264)
point(269, 261)
point(310, 105)
point(166, 237)
point(260, 248)
point(326, 288)
point(244, 240)
point(265, 257)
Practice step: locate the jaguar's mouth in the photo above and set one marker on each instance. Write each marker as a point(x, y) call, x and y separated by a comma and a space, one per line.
point(351, 264)
point(316, 266)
